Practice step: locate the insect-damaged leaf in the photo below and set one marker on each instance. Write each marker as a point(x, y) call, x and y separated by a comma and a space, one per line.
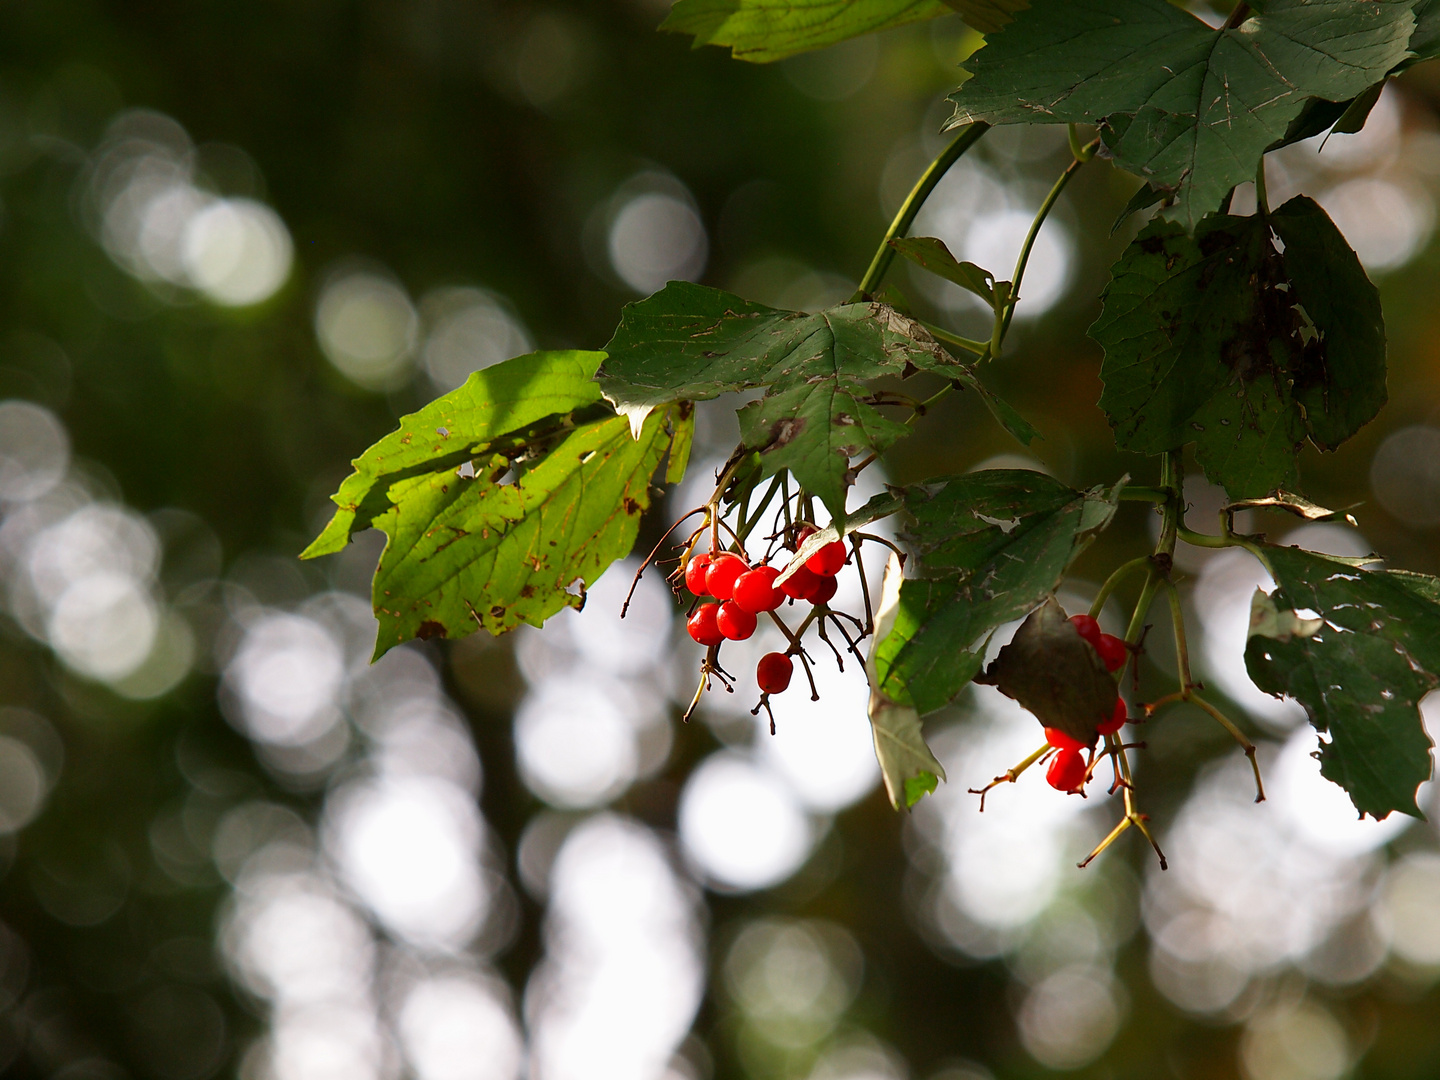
point(470, 552)
point(909, 767)
point(1224, 340)
point(498, 401)
point(1361, 676)
point(688, 342)
point(1056, 674)
point(990, 546)
point(1187, 107)
point(764, 30)
point(933, 255)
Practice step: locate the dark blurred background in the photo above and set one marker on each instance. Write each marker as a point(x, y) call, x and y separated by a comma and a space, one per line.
point(238, 240)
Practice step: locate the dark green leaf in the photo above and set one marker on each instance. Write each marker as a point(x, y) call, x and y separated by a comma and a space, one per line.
point(1222, 340)
point(1361, 676)
point(1425, 42)
point(466, 553)
point(933, 255)
point(689, 342)
point(1056, 674)
point(456, 428)
point(907, 764)
point(764, 30)
point(990, 547)
point(1188, 108)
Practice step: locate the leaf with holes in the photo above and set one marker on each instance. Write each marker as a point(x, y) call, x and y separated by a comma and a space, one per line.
point(467, 553)
point(507, 399)
point(688, 342)
point(1184, 106)
point(1242, 345)
point(1361, 675)
point(989, 548)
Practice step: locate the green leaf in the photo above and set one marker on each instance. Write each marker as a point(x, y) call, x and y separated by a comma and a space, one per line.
point(907, 764)
point(1222, 340)
point(688, 342)
point(681, 444)
point(875, 508)
point(1188, 108)
point(1425, 42)
point(1056, 674)
point(466, 553)
point(990, 547)
point(494, 402)
point(764, 30)
point(933, 255)
point(1361, 676)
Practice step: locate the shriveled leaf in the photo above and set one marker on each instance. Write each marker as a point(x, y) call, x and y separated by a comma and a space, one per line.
point(1291, 503)
point(1186, 107)
point(989, 547)
point(466, 553)
point(909, 768)
point(1361, 675)
point(1056, 674)
point(688, 342)
point(493, 402)
point(764, 30)
point(933, 255)
point(1223, 340)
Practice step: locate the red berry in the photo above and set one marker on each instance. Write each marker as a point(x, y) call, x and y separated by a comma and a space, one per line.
point(1067, 771)
point(773, 672)
point(803, 532)
point(1113, 651)
point(1117, 719)
point(801, 584)
point(1061, 741)
point(703, 627)
point(734, 621)
point(695, 574)
point(1088, 628)
point(824, 591)
point(720, 578)
point(828, 560)
point(755, 591)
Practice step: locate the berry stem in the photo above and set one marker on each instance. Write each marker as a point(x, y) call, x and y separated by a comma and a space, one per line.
point(1012, 774)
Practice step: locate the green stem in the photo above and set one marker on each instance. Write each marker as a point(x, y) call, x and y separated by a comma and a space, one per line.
point(748, 524)
point(885, 254)
point(1136, 493)
point(1121, 572)
point(1262, 198)
point(1003, 323)
point(979, 348)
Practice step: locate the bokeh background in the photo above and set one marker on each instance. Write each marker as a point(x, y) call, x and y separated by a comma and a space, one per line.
point(238, 240)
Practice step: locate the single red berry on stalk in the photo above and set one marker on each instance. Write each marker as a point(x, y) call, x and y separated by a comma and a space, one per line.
point(773, 672)
point(695, 574)
point(1117, 719)
point(1066, 771)
point(734, 621)
point(755, 591)
point(1088, 628)
point(1113, 651)
point(725, 568)
point(824, 591)
point(803, 532)
point(801, 584)
point(1058, 739)
point(702, 626)
point(828, 560)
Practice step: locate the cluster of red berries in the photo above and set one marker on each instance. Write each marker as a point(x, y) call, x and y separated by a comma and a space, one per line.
point(1067, 771)
point(745, 593)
